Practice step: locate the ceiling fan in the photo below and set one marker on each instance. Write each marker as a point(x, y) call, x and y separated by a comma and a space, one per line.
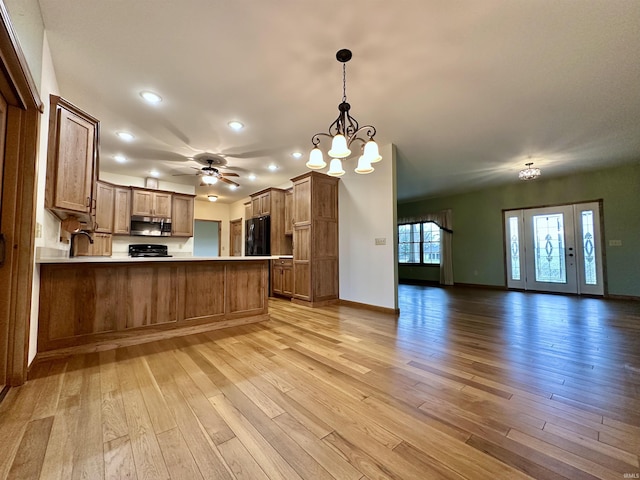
point(210, 173)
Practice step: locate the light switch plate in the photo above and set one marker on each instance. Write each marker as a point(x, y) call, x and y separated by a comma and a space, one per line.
point(381, 241)
point(615, 243)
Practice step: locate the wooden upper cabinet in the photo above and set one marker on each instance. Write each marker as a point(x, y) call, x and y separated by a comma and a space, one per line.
point(122, 211)
point(182, 216)
point(288, 212)
point(72, 160)
point(104, 207)
point(148, 203)
point(302, 200)
point(162, 205)
point(261, 204)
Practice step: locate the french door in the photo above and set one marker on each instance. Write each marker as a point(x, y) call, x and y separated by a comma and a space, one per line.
point(555, 249)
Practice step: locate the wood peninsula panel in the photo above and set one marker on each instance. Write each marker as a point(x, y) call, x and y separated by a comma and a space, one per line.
point(204, 290)
point(249, 282)
point(151, 294)
point(111, 304)
point(76, 302)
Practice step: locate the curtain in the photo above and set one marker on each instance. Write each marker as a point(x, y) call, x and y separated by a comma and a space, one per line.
point(444, 221)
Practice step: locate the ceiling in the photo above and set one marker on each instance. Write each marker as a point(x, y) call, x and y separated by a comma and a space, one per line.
point(466, 90)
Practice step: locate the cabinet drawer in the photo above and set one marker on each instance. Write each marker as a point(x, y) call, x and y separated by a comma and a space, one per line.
point(285, 262)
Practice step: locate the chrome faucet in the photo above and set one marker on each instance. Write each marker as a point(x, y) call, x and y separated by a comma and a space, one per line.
point(73, 235)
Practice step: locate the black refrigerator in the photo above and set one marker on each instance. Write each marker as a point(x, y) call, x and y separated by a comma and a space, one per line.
point(258, 236)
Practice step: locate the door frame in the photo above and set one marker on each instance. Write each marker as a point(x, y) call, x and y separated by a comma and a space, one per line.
point(17, 218)
point(219, 222)
point(602, 267)
point(231, 223)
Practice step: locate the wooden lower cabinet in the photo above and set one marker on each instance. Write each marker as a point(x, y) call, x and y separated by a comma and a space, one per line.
point(282, 277)
point(98, 303)
point(101, 246)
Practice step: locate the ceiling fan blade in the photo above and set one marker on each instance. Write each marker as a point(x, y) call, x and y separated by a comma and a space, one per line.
point(230, 182)
point(229, 174)
point(183, 174)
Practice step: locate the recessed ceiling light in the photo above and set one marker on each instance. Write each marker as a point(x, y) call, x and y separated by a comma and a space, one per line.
point(252, 177)
point(120, 158)
point(212, 198)
point(126, 136)
point(151, 97)
point(235, 125)
point(154, 173)
point(296, 155)
point(273, 167)
point(233, 187)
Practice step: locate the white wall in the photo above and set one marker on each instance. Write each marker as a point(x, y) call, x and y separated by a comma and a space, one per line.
point(367, 210)
point(47, 225)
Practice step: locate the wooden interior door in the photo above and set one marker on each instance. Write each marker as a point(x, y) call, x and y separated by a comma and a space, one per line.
point(4, 324)
point(235, 237)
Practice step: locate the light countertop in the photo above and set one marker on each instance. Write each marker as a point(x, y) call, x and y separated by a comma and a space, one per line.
point(127, 259)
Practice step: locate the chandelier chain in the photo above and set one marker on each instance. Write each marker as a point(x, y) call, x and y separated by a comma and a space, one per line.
point(344, 82)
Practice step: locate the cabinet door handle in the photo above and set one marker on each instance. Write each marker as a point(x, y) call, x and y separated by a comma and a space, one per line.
point(88, 202)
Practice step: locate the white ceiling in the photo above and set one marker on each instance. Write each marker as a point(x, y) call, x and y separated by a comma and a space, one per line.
point(466, 90)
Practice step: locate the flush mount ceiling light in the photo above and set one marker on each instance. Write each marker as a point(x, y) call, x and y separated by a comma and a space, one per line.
point(126, 136)
point(343, 132)
point(272, 167)
point(212, 198)
point(235, 125)
point(154, 173)
point(529, 173)
point(296, 155)
point(120, 158)
point(151, 97)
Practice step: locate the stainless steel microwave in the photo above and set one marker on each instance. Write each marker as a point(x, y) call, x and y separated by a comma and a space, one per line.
point(150, 226)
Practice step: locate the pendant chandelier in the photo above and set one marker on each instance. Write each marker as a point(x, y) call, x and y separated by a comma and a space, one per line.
point(529, 173)
point(343, 132)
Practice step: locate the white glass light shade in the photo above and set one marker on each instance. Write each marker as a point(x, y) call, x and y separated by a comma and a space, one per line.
point(209, 180)
point(364, 165)
point(339, 147)
point(335, 168)
point(371, 151)
point(529, 173)
point(212, 198)
point(316, 160)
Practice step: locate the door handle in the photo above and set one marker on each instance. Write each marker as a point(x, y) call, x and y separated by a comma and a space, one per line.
point(3, 245)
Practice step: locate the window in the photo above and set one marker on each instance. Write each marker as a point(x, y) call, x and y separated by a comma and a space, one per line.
point(419, 243)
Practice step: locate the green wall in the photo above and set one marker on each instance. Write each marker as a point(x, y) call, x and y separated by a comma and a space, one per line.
point(477, 224)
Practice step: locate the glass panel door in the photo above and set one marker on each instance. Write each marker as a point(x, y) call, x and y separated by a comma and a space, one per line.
point(555, 249)
point(549, 233)
point(513, 249)
point(589, 245)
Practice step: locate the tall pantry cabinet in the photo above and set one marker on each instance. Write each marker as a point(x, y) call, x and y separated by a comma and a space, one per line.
point(315, 239)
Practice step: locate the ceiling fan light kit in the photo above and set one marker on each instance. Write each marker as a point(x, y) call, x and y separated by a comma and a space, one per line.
point(209, 174)
point(343, 132)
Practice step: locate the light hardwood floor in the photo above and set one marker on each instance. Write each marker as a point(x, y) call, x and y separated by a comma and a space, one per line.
point(464, 384)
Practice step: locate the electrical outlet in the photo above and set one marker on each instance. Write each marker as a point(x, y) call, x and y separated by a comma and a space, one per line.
point(381, 241)
point(38, 230)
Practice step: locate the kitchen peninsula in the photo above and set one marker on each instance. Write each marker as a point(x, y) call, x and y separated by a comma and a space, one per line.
point(105, 302)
